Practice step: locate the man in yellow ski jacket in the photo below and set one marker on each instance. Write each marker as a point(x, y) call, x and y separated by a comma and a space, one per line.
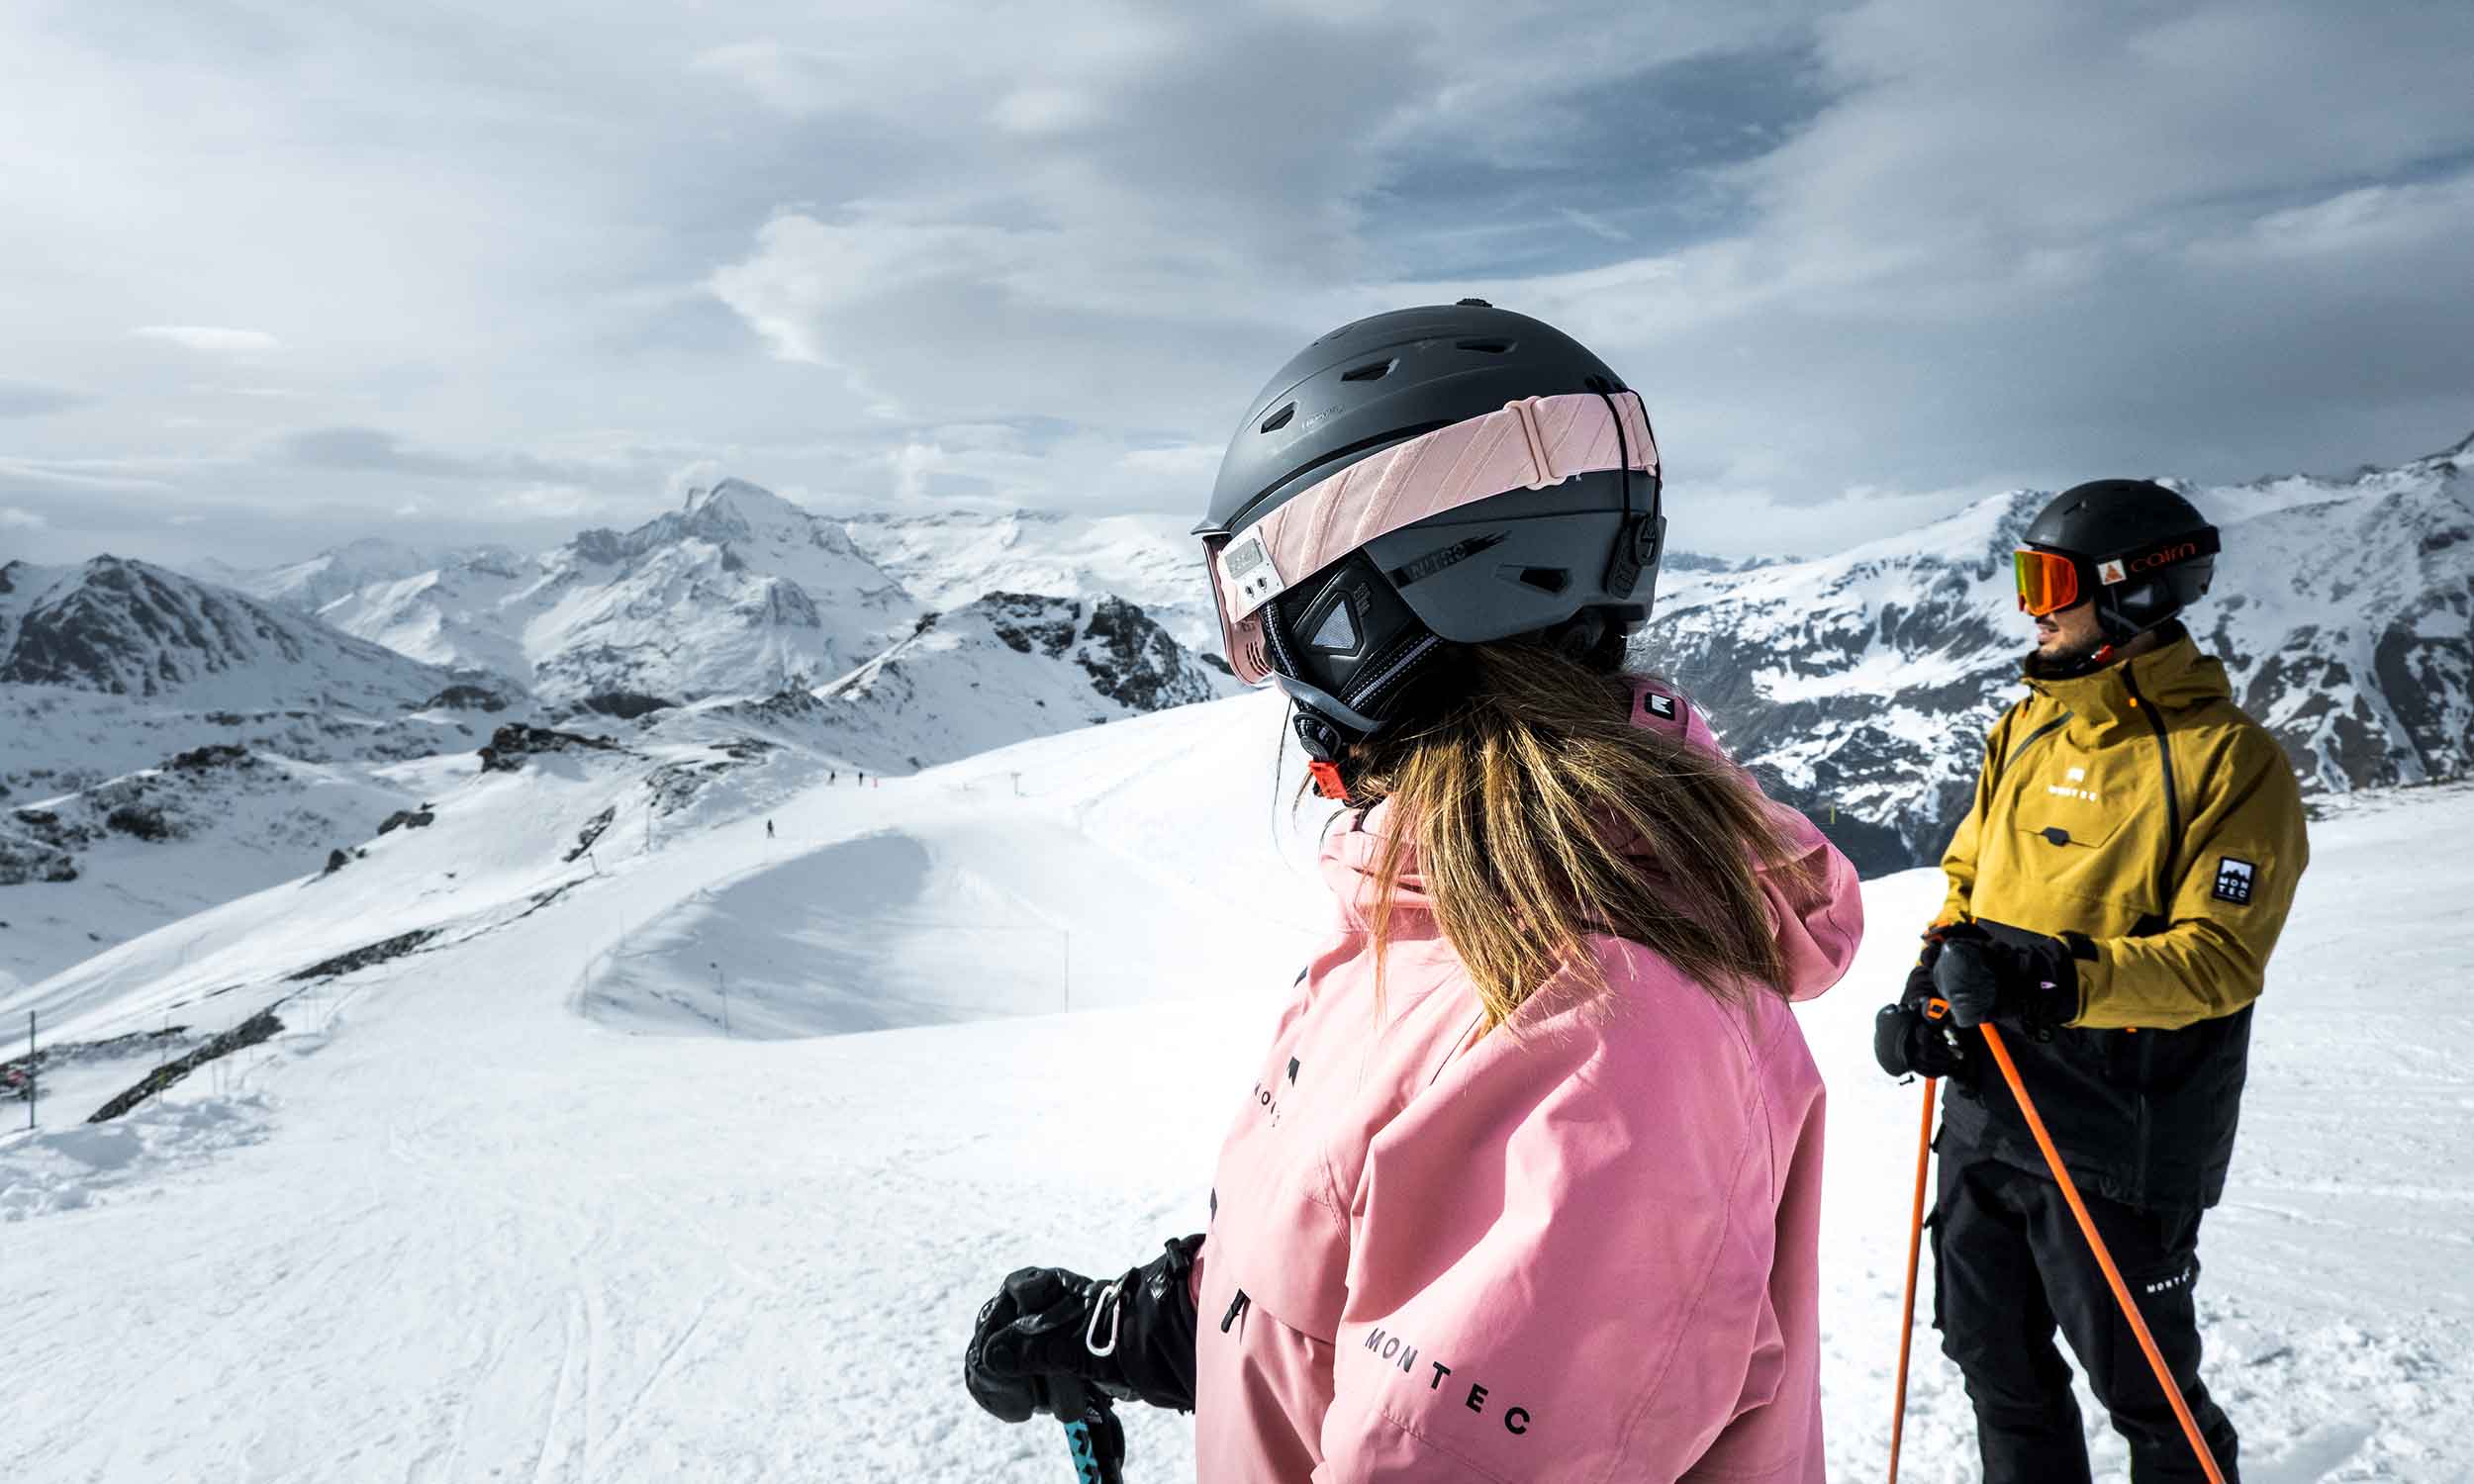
point(2114, 893)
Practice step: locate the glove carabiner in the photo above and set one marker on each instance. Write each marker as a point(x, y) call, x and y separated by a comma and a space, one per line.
point(1108, 1305)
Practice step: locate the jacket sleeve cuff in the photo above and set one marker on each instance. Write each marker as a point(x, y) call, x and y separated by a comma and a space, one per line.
point(2093, 967)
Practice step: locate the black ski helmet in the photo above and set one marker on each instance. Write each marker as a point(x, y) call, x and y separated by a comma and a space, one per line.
point(1351, 641)
point(2143, 552)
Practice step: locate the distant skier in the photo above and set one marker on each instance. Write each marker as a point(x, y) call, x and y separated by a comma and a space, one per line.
point(1527, 1184)
point(832, 775)
point(768, 829)
point(2114, 895)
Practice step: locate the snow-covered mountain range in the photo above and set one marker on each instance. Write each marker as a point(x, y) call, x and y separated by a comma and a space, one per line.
point(129, 628)
point(166, 745)
point(738, 591)
point(306, 587)
point(116, 666)
point(951, 557)
point(1008, 666)
point(1859, 683)
point(172, 742)
point(1865, 683)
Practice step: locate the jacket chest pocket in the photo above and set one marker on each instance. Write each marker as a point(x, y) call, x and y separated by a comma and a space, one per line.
point(2083, 851)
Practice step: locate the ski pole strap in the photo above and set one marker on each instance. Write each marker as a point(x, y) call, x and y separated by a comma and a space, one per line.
point(2104, 1258)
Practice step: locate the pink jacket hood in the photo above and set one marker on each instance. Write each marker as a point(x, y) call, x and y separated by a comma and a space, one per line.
point(1584, 1246)
point(1816, 929)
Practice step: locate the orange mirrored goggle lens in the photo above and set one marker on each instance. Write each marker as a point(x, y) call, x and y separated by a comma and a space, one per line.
point(2048, 582)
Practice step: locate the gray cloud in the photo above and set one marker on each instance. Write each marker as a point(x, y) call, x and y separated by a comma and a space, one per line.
point(520, 485)
point(372, 450)
point(528, 266)
point(2039, 245)
point(29, 398)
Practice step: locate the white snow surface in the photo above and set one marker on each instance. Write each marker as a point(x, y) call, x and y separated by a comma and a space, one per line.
point(514, 1204)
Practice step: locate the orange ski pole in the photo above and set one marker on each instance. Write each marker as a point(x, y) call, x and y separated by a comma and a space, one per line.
point(1915, 1246)
point(2104, 1258)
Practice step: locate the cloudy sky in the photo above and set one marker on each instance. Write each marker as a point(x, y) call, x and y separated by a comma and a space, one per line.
point(281, 274)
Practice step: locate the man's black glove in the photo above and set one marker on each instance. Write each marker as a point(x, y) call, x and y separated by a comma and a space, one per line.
point(1908, 1042)
point(2032, 985)
point(1132, 1338)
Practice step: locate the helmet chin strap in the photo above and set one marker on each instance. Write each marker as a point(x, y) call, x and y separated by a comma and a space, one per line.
point(2070, 663)
point(2117, 629)
point(1323, 743)
point(2115, 634)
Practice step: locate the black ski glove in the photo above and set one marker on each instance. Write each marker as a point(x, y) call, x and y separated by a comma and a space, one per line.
point(2033, 986)
point(1132, 1338)
point(1908, 1042)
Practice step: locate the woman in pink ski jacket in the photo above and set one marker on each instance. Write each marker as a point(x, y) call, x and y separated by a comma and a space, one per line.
point(1527, 1185)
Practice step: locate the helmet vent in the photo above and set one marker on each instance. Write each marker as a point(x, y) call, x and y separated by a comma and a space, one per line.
point(1279, 420)
point(1339, 633)
point(1484, 347)
point(1371, 371)
point(1543, 579)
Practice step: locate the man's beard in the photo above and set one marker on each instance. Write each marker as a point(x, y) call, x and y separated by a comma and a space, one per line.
point(2067, 662)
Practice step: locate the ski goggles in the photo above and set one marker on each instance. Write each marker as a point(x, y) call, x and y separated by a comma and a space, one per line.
point(1529, 445)
point(2050, 581)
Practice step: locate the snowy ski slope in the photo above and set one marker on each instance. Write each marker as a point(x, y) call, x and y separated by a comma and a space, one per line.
point(513, 1205)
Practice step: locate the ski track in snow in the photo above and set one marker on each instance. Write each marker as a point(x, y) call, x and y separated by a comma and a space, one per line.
point(452, 1225)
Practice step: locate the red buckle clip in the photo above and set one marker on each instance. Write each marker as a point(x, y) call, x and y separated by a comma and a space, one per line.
point(1327, 780)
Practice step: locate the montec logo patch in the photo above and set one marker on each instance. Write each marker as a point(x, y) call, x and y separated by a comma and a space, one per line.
point(2234, 879)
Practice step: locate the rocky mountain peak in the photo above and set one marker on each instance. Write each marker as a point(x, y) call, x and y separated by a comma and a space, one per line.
point(131, 629)
point(736, 504)
point(729, 513)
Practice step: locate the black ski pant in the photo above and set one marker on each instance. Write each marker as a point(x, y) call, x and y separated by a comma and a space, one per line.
point(2010, 1265)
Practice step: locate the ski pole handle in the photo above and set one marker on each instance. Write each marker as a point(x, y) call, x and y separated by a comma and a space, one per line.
point(1092, 1435)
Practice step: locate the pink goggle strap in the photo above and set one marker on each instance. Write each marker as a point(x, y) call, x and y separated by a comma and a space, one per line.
point(1531, 444)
